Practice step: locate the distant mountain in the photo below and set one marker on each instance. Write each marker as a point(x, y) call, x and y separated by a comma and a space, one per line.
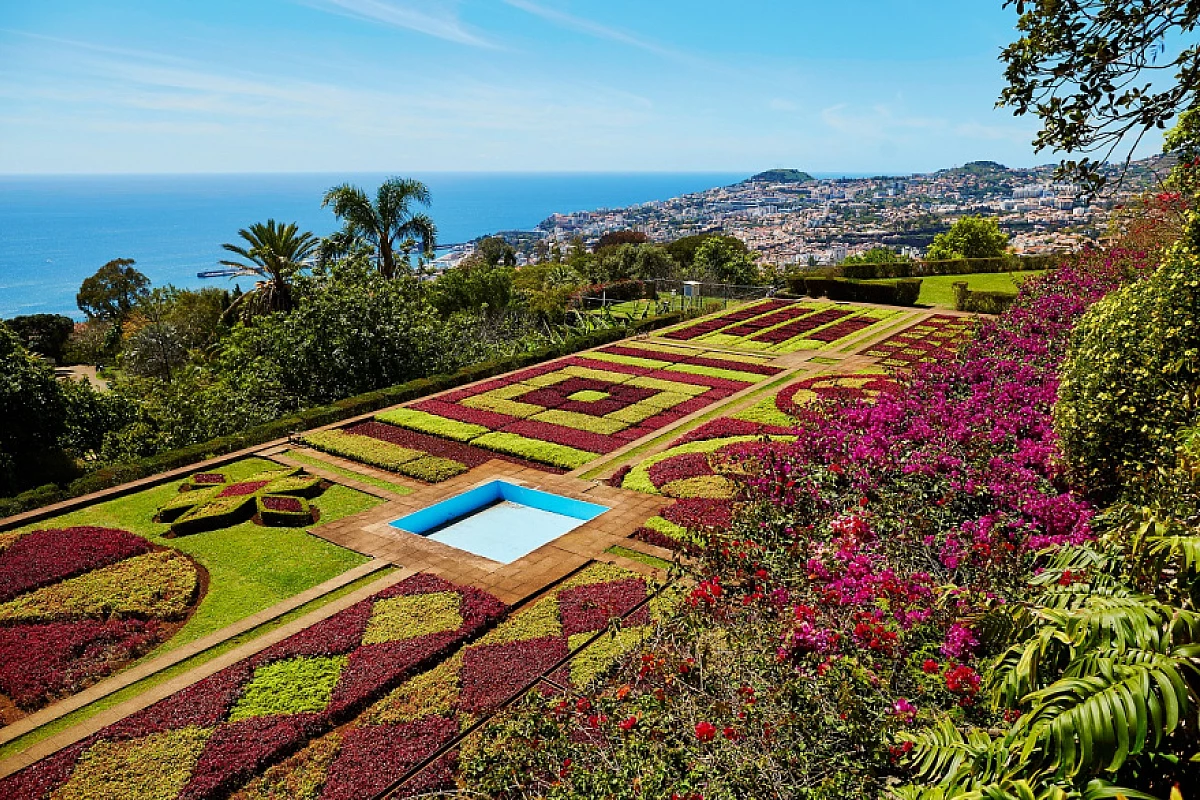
point(781, 176)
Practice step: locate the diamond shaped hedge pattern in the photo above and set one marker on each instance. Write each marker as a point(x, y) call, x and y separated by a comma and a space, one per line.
point(258, 711)
point(424, 714)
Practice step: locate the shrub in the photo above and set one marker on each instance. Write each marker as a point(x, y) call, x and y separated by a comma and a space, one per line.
point(1131, 375)
point(283, 511)
point(221, 512)
point(583, 422)
point(893, 293)
point(432, 469)
point(557, 455)
point(977, 302)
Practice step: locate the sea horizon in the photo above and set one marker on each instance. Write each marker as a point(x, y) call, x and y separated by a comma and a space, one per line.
point(59, 228)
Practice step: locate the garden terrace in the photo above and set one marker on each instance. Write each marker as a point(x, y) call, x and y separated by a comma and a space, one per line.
point(562, 414)
point(89, 591)
point(216, 734)
point(780, 326)
point(935, 338)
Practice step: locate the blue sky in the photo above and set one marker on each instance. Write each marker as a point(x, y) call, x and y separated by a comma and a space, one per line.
point(500, 85)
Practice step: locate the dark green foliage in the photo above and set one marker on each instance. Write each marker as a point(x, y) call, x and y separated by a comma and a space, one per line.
point(1080, 68)
point(473, 285)
point(954, 266)
point(970, 237)
point(718, 259)
point(893, 293)
point(494, 251)
point(616, 238)
point(1131, 380)
point(44, 334)
point(781, 176)
point(113, 291)
point(684, 250)
point(977, 302)
point(32, 417)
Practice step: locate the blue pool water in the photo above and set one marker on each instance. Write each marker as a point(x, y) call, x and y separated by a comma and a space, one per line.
point(500, 520)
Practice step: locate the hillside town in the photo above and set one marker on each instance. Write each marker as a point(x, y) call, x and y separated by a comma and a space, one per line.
point(790, 218)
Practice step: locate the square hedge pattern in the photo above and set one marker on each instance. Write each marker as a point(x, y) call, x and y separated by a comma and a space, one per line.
point(207, 740)
point(567, 412)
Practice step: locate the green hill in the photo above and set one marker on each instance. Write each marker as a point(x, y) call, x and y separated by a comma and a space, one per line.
point(781, 176)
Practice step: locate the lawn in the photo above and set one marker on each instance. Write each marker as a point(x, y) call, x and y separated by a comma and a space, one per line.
point(938, 290)
point(250, 567)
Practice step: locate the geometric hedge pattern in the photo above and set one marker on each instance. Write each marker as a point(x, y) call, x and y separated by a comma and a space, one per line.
point(937, 338)
point(209, 501)
point(210, 738)
point(567, 412)
point(426, 713)
point(779, 326)
point(76, 604)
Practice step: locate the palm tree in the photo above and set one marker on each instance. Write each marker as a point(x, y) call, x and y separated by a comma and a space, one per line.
point(386, 222)
point(274, 253)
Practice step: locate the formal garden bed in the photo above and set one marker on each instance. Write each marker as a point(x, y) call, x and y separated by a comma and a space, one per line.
point(350, 705)
point(780, 326)
point(240, 557)
point(935, 338)
point(561, 415)
point(77, 604)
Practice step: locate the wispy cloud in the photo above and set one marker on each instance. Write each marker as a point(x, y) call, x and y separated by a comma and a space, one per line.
point(438, 18)
point(601, 31)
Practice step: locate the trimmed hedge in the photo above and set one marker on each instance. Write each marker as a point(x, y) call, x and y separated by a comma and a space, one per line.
point(966, 299)
point(892, 293)
point(115, 475)
point(957, 266)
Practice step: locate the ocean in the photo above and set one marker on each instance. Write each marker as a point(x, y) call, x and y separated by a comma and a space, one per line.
point(57, 230)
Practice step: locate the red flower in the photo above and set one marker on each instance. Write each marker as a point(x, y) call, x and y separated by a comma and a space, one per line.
point(929, 666)
point(628, 724)
point(705, 731)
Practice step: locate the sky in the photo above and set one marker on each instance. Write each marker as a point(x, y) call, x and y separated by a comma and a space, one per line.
point(180, 86)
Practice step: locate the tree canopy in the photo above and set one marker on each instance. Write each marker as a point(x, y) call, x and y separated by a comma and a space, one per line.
point(274, 253)
point(385, 225)
point(112, 292)
point(970, 237)
point(1093, 72)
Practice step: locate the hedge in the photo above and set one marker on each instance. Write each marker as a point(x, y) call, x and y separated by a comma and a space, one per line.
point(957, 266)
point(966, 299)
point(893, 293)
point(117, 474)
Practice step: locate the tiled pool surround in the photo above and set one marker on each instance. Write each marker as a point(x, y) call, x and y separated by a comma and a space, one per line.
point(500, 521)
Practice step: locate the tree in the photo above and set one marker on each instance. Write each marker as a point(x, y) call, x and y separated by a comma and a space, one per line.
point(154, 346)
point(616, 238)
point(113, 291)
point(876, 255)
point(494, 250)
point(31, 406)
point(717, 259)
point(1079, 68)
point(473, 285)
point(386, 223)
point(684, 250)
point(970, 237)
point(274, 253)
point(44, 334)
